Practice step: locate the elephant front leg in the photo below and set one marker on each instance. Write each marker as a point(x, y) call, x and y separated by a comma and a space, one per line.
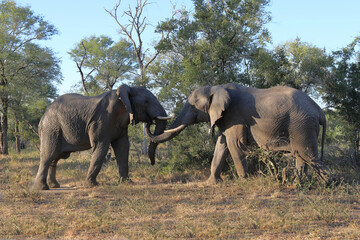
point(220, 154)
point(236, 140)
point(97, 160)
point(121, 150)
point(238, 156)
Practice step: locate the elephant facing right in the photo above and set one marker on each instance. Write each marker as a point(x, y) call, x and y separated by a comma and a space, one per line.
point(278, 119)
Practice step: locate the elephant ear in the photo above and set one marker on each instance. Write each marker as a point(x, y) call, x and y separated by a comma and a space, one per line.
point(219, 102)
point(123, 93)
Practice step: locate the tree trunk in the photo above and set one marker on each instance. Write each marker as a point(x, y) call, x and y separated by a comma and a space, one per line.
point(17, 137)
point(0, 134)
point(144, 150)
point(144, 142)
point(4, 126)
point(357, 147)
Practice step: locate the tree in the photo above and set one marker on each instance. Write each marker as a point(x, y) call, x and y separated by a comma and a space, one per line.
point(133, 31)
point(341, 91)
point(19, 28)
point(268, 68)
point(32, 86)
point(295, 63)
point(308, 65)
point(106, 62)
point(212, 47)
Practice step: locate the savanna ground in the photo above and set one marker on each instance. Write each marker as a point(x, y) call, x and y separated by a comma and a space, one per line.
point(159, 204)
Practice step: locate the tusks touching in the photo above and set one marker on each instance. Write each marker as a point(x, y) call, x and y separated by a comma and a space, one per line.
point(164, 118)
point(175, 129)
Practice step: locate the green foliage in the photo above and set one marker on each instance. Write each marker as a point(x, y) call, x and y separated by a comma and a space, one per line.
point(20, 24)
point(106, 62)
point(337, 130)
point(342, 90)
point(191, 148)
point(296, 64)
point(267, 68)
point(29, 71)
point(210, 48)
point(230, 30)
point(308, 65)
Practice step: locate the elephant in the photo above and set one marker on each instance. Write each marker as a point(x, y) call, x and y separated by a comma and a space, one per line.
point(75, 123)
point(279, 119)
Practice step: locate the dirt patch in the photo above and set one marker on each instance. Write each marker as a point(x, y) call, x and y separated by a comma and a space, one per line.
point(62, 189)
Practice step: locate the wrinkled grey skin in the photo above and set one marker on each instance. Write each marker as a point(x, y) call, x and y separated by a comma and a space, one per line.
point(74, 123)
point(279, 118)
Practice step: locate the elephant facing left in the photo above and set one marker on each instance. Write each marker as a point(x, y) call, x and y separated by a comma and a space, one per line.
point(75, 123)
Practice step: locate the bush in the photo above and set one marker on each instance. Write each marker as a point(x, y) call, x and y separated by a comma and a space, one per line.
point(192, 148)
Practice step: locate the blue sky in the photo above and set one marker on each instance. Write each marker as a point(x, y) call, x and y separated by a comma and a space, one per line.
point(330, 24)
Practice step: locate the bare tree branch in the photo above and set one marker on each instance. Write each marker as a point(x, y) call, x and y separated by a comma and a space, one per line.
point(32, 128)
point(79, 66)
point(137, 25)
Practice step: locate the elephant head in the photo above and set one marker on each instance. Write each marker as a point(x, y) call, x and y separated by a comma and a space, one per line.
point(143, 106)
point(205, 104)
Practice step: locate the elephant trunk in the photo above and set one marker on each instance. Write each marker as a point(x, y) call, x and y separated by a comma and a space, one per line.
point(176, 127)
point(160, 127)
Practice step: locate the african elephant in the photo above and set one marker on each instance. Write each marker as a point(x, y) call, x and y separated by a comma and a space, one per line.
point(278, 118)
point(74, 123)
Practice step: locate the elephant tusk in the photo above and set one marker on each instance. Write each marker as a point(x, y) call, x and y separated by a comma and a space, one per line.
point(181, 127)
point(164, 118)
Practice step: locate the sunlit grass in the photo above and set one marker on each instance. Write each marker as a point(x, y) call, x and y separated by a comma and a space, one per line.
point(160, 204)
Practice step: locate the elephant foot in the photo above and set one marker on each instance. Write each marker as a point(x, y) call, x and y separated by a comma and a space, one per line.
point(125, 180)
point(54, 184)
point(212, 180)
point(91, 183)
point(40, 186)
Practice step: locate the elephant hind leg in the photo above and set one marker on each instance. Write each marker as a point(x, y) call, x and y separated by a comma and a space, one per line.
point(97, 160)
point(315, 163)
point(41, 176)
point(49, 155)
point(40, 182)
point(51, 178)
point(305, 149)
point(301, 168)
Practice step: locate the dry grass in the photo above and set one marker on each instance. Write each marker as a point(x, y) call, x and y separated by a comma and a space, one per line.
point(158, 205)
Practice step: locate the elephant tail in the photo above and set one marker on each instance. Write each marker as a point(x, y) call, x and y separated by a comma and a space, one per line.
point(323, 123)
